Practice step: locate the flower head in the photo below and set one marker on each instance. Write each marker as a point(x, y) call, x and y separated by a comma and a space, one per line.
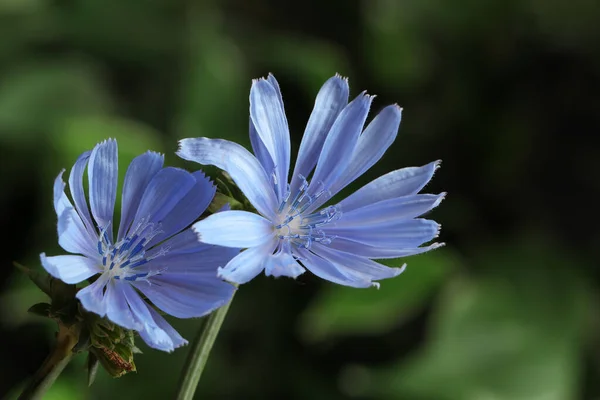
point(293, 230)
point(153, 252)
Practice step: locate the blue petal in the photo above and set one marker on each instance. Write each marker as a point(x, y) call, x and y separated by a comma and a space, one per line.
point(239, 163)
point(330, 101)
point(247, 264)
point(156, 332)
point(329, 271)
point(78, 193)
point(72, 235)
point(268, 116)
point(139, 173)
point(175, 339)
point(283, 264)
point(239, 229)
point(403, 234)
point(164, 191)
point(61, 202)
point(92, 296)
point(371, 270)
point(204, 261)
point(364, 250)
point(396, 209)
point(70, 269)
point(260, 151)
point(117, 309)
point(188, 209)
point(271, 79)
point(103, 174)
point(339, 146)
point(183, 243)
point(371, 146)
point(182, 296)
point(402, 182)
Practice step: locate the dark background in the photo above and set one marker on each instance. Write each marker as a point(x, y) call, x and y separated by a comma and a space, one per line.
point(505, 92)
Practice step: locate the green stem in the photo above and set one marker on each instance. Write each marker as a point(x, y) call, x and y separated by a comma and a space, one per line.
point(54, 364)
point(199, 353)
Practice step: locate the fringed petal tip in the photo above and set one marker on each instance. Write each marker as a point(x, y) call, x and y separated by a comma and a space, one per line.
point(398, 107)
point(397, 271)
point(339, 76)
point(198, 234)
point(181, 150)
point(437, 232)
point(155, 153)
point(171, 348)
point(266, 79)
point(442, 197)
point(106, 142)
point(369, 97)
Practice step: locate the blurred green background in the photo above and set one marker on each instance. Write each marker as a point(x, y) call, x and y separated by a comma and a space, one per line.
point(505, 92)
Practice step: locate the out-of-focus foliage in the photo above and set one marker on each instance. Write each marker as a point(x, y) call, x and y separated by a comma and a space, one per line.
point(504, 92)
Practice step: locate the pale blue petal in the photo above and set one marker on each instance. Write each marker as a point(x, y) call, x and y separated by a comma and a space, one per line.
point(271, 79)
point(92, 296)
point(402, 182)
point(103, 174)
point(330, 101)
point(239, 163)
point(186, 296)
point(370, 269)
point(174, 338)
point(72, 233)
point(73, 236)
point(404, 234)
point(163, 192)
point(364, 250)
point(156, 332)
point(329, 271)
point(70, 269)
point(139, 173)
point(260, 151)
point(371, 146)
point(339, 146)
point(248, 263)
point(239, 229)
point(117, 308)
point(283, 264)
point(78, 193)
point(268, 116)
point(385, 211)
point(188, 209)
point(61, 202)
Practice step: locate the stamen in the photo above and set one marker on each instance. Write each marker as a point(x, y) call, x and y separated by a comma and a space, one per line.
point(130, 252)
point(301, 230)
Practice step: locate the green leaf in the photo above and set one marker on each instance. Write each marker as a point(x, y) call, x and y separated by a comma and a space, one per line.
point(340, 310)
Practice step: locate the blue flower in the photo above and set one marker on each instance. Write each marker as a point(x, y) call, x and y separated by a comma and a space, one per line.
point(153, 252)
point(292, 231)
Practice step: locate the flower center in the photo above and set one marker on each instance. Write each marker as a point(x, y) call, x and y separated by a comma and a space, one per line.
point(299, 227)
point(121, 259)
